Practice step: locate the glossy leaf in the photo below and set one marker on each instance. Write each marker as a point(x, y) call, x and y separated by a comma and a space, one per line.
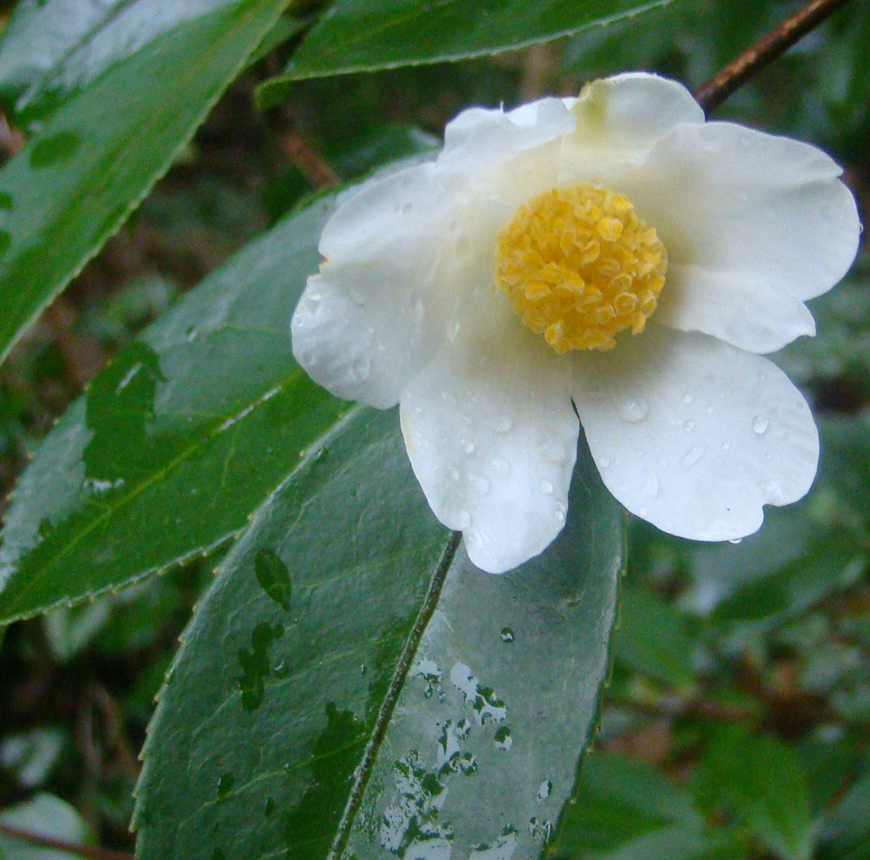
point(361, 35)
point(51, 49)
point(177, 441)
point(92, 161)
point(405, 701)
point(761, 782)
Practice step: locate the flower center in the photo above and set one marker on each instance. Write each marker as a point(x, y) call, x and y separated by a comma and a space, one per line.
point(578, 266)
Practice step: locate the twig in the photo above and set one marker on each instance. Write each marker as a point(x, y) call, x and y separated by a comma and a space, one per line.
point(308, 160)
point(91, 852)
point(716, 89)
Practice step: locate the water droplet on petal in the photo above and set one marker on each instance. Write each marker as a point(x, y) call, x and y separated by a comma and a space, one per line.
point(651, 486)
point(687, 398)
point(546, 488)
point(559, 514)
point(501, 466)
point(360, 369)
point(709, 409)
point(689, 426)
point(507, 635)
point(726, 446)
point(502, 425)
point(735, 540)
point(633, 409)
point(603, 462)
point(464, 519)
point(691, 456)
point(467, 446)
point(760, 424)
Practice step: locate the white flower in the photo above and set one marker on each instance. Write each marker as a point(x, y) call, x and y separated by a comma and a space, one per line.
point(434, 277)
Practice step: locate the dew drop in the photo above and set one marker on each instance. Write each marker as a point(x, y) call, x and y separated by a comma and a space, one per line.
point(726, 446)
point(633, 409)
point(502, 739)
point(651, 486)
point(689, 426)
point(604, 462)
point(502, 425)
point(360, 369)
point(546, 488)
point(467, 446)
point(559, 514)
point(691, 456)
point(507, 635)
point(687, 398)
point(464, 519)
point(736, 540)
point(225, 785)
point(454, 473)
point(760, 424)
point(709, 409)
point(501, 466)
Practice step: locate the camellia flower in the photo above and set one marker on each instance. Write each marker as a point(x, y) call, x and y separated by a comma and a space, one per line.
point(611, 260)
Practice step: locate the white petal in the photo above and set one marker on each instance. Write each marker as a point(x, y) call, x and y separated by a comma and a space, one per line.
point(479, 138)
point(492, 439)
point(730, 199)
point(693, 434)
point(619, 119)
point(389, 289)
point(739, 308)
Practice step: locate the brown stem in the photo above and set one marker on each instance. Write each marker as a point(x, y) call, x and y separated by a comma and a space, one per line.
point(308, 160)
point(92, 852)
point(716, 89)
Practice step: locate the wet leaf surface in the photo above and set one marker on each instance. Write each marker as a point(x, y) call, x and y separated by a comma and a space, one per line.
point(406, 703)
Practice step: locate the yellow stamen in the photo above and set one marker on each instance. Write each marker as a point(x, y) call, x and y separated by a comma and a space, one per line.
point(579, 266)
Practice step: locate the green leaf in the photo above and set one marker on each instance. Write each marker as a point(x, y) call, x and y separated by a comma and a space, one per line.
point(846, 463)
point(44, 815)
point(846, 834)
point(51, 49)
point(653, 638)
point(92, 161)
point(177, 441)
point(761, 781)
point(680, 843)
point(830, 564)
point(618, 800)
point(406, 701)
point(361, 35)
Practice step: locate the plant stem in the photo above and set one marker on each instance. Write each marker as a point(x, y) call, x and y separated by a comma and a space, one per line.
point(716, 89)
point(91, 852)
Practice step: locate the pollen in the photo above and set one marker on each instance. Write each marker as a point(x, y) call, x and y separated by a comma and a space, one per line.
point(579, 266)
